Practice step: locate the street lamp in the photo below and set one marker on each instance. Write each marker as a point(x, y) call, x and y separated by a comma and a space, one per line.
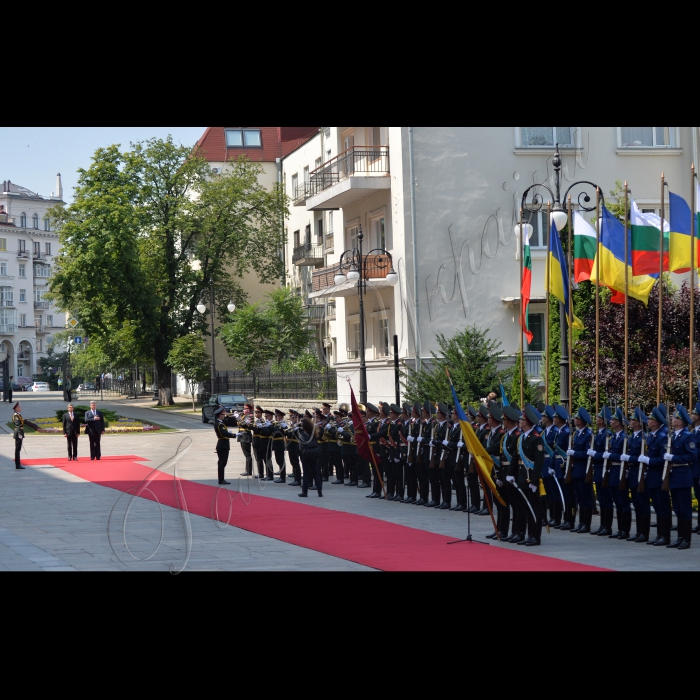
point(560, 217)
point(202, 308)
point(353, 267)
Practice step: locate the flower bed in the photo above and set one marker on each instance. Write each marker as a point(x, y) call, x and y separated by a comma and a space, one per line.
point(50, 426)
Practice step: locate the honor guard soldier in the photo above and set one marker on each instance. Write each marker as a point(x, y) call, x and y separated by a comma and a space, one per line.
point(439, 436)
point(423, 452)
point(18, 423)
point(601, 443)
point(680, 459)
point(456, 462)
point(396, 466)
point(348, 450)
point(636, 446)
point(530, 461)
point(223, 444)
point(552, 501)
point(279, 445)
point(327, 445)
point(404, 432)
point(695, 416)
point(564, 441)
point(374, 427)
point(493, 445)
point(266, 444)
point(364, 468)
point(509, 468)
point(245, 437)
point(616, 471)
point(483, 432)
point(474, 494)
point(583, 492)
point(292, 436)
point(412, 459)
point(258, 453)
point(336, 455)
point(657, 446)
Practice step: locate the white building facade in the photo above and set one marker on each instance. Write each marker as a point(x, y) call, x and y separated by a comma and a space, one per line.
point(449, 228)
point(27, 249)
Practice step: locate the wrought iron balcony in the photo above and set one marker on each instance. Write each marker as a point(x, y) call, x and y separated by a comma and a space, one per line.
point(41, 304)
point(316, 313)
point(324, 279)
point(8, 328)
point(301, 194)
point(308, 255)
point(330, 241)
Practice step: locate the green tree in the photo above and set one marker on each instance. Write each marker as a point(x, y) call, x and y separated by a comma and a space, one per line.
point(529, 392)
point(190, 359)
point(274, 330)
point(472, 360)
point(147, 231)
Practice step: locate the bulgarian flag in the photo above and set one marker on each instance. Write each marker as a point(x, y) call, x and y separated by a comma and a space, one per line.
point(646, 232)
point(526, 291)
point(584, 248)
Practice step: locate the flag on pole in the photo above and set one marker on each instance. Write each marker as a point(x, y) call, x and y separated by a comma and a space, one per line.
point(526, 291)
point(504, 398)
point(559, 282)
point(646, 232)
point(680, 220)
point(364, 449)
point(609, 268)
point(584, 248)
point(482, 459)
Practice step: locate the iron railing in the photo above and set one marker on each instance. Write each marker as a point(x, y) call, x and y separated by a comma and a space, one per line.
point(376, 268)
point(358, 160)
point(330, 241)
point(316, 312)
point(307, 251)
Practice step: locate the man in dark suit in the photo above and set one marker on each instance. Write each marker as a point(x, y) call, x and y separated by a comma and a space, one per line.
point(71, 430)
point(95, 427)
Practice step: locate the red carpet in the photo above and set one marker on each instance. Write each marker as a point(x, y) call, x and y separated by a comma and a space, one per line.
point(373, 543)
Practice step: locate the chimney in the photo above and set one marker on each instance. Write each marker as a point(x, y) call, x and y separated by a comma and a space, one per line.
point(59, 186)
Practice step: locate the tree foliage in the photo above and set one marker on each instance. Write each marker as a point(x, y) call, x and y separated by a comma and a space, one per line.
point(146, 233)
point(472, 359)
point(189, 358)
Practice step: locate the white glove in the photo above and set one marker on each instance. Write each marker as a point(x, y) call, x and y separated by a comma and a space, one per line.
point(410, 438)
point(420, 439)
point(510, 479)
point(570, 453)
point(591, 453)
point(445, 443)
point(460, 444)
point(533, 488)
point(499, 483)
point(644, 460)
point(284, 425)
point(668, 457)
point(624, 458)
point(606, 455)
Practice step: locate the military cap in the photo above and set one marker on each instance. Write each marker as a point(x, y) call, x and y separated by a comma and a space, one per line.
point(471, 411)
point(515, 405)
point(385, 407)
point(292, 412)
point(659, 415)
point(249, 406)
point(639, 415)
point(259, 409)
point(372, 408)
point(532, 415)
point(337, 413)
point(696, 410)
point(326, 405)
point(278, 412)
point(429, 408)
point(219, 411)
point(416, 408)
point(663, 410)
point(308, 414)
point(605, 414)
point(362, 409)
point(395, 409)
point(562, 413)
point(442, 408)
point(406, 408)
point(549, 412)
point(495, 412)
point(512, 413)
point(269, 413)
point(343, 413)
point(620, 417)
point(584, 415)
point(682, 414)
point(484, 411)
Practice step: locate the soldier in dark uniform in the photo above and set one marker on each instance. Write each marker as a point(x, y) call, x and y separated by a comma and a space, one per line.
point(583, 492)
point(345, 433)
point(552, 501)
point(530, 461)
point(403, 444)
point(601, 444)
point(561, 423)
point(437, 448)
point(396, 465)
point(293, 446)
point(422, 453)
point(18, 423)
point(456, 463)
point(641, 501)
point(326, 443)
point(266, 444)
point(223, 444)
point(510, 467)
point(364, 468)
point(695, 416)
point(372, 427)
point(684, 452)
point(258, 453)
point(245, 437)
point(279, 445)
point(483, 431)
point(474, 495)
point(493, 443)
point(334, 451)
point(412, 431)
point(618, 447)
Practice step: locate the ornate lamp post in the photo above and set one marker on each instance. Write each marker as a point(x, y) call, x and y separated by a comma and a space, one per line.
point(202, 308)
point(355, 264)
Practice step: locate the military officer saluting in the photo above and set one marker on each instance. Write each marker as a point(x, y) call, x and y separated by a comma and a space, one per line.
point(683, 453)
point(18, 422)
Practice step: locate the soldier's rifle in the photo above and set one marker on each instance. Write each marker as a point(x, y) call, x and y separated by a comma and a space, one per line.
point(641, 488)
point(606, 471)
point(568, 477)
point(589, 469)
point(623, 469)
point(419, 451)
point(668, 465)
point(432, 439)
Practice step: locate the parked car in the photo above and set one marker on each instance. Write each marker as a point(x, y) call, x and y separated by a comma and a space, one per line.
point(25, 382)
point(40, 386)
point(15, 386)
point(232, 402)
point(86, 386)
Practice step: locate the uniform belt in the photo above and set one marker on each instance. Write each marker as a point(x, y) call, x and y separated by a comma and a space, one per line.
point(505, 464)
point(681, 465)
point(615, 464)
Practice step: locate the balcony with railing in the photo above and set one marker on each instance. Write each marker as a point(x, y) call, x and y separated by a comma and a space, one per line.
point(330, 241)
point(308, 255)
point(301, 193)
point(8, 328)
point(377, 269)
point(23, 254)
point(349, 177)
point(316, 313)
point(41, 304)
point(40, 328)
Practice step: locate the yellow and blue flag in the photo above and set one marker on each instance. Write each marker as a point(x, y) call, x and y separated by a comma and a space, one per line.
point(559, 275)
point(681, 220)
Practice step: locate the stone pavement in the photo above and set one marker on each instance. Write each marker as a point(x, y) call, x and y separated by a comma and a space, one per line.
point(53, 521)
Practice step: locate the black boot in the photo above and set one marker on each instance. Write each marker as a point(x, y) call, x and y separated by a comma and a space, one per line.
point(681, 536)
point(626, 526)
point(644, 529)
point(687, 534)
point(638, 518)
point(620, 527)
point(659, 532)
point(665, 530)
point(586, 519)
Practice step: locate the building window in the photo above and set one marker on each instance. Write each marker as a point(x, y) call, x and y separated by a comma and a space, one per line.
point(306, 176)
point(381, 345)
point(536, 325)
point(42, 271)
point(297, 242)
point(541, 136)
point(47, 247)
point(3, 269)
point(37, 249)
point(540, 235)
point(319, 232)
point(22, 270)
point(354, 340)
point(37, 322)
point(49, 321)
point(46, 225)
point(243, 138)
point(22, 246)
point(35, 221)
point(23, 320)
point(20, 370)
point(23, 295)
point(307, 235)
point(379, 226)
point(648, 137)
point(8, 320)
point(3, 243)
point(7, 297)
point(23, 220)
point(295, 185)
point(39, 345)
point(352, 237)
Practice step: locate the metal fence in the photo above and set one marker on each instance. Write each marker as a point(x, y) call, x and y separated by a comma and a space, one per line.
point(136, 381)
point(307, 386)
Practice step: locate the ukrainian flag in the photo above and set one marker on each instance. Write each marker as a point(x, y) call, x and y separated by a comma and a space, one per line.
point(482, 459)
point(680, 235)
point(609, 269)
point(559, 276)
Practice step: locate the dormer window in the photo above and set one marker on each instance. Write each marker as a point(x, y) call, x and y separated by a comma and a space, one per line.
point(243, 138)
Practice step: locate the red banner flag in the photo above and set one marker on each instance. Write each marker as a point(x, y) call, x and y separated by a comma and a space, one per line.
point(361, 435)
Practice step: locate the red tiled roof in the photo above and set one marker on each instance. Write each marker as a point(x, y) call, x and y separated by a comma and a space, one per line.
point(277, 142)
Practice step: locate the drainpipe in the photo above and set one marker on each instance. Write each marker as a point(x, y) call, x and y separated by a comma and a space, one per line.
point(415, 245)
point(280, 183)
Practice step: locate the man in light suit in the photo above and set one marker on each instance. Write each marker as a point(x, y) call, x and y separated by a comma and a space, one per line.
point(95, 427)
point(71, 430)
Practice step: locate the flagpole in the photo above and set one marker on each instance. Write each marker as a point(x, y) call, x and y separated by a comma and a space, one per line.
point(692, 286)
point(570, 256)
point(522, 309)
point(547, 273)
point(661, 292)
point(627, 299)
point(597, 304)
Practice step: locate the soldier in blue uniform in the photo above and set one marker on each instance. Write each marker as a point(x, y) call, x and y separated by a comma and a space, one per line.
point(583, 492)
point(695, 415)
point(683, 453)
point(616, 467)
point(640, 500)
point(561, 422)
point(552, 501)
point(657, 444)
point(600, 465)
